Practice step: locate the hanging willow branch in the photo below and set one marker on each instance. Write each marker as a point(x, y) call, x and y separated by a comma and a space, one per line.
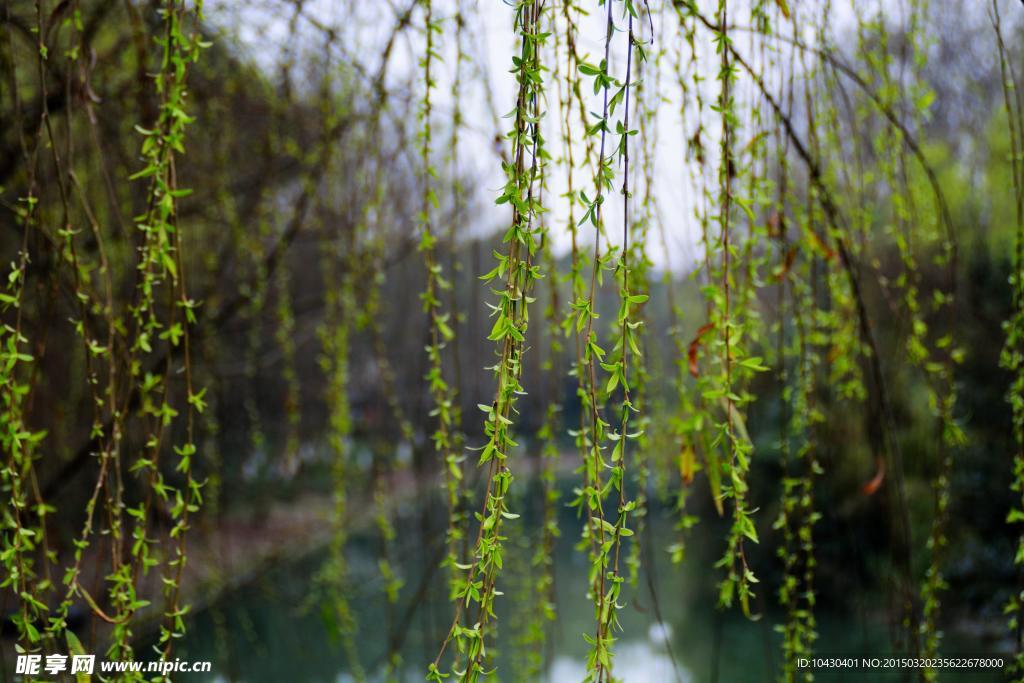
point(1012, 357)
point(476, 592)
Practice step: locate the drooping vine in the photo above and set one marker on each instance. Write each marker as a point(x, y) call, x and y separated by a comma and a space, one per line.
point(476, 588)
point(798, 360)
point(441, 330)
point(1012, 357)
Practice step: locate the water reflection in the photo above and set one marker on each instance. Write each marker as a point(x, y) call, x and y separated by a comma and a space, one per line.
point(270, 631)
point(635, 662)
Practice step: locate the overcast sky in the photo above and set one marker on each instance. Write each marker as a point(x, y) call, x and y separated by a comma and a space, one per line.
point(263, 29)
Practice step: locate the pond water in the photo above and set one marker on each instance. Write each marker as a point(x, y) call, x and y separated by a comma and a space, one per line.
point(271, 631)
